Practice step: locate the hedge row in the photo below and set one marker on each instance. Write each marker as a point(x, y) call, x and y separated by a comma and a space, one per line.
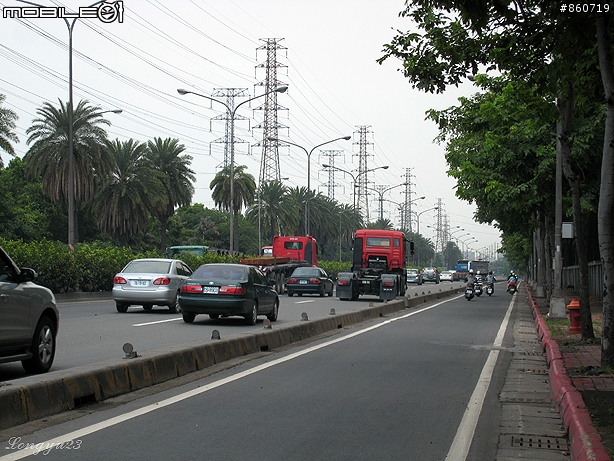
point(93, 265)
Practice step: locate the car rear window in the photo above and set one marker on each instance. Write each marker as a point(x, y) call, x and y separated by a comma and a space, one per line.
point(306, 272)
point(213, 272)
point(154, 267)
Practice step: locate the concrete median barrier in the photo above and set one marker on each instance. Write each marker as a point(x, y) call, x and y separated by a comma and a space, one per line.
point(39, 396)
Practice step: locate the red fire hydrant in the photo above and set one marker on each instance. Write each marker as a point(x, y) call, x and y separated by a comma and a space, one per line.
point(575, 326)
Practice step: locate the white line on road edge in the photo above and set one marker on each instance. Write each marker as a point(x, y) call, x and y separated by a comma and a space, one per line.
point(67, 438)
point(464, 434)
point(156, 322)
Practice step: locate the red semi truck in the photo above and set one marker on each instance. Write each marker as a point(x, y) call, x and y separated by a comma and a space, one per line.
point(378, 266)
point(288, 253)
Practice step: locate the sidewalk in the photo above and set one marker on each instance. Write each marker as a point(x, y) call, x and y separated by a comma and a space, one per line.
point(573, 368)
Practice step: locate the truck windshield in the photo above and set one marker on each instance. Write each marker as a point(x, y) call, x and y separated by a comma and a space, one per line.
point(378, 242)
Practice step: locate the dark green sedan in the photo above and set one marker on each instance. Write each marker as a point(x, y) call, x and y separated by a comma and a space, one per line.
point(224, 290)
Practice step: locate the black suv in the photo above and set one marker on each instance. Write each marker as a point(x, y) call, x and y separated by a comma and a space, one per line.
point(29, 318)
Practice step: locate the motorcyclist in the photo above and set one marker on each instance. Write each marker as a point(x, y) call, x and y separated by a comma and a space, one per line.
point(470, 279)
point(490, 278)
point(479, 278)
point(511, 279)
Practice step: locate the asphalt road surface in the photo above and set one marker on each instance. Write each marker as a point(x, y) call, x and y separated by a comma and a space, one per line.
point(93, 331)
point(419, 385)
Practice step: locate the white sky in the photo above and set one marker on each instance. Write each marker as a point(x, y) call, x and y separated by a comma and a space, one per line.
point(335, 85)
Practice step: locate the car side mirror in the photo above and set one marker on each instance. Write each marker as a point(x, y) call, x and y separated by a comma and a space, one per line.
point(27, 275)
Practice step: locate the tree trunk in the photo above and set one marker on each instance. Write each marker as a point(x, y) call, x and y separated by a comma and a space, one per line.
point(565, 107)
point(605, 219)
point(548, 245)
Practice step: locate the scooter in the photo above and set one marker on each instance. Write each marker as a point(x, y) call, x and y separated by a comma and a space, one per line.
point(478, 289)
point(511, 287)
point(469, 292)
point(490, 288)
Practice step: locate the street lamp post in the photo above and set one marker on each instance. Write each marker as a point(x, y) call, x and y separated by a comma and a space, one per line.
point(355, 177)
point(418, 218)
point(308, 216)
point(71, 161)
point(231, 116)
point(381, 197)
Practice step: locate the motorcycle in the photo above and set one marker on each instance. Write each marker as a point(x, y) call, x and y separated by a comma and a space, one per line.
point(511, 287)
point(469, 292)
point(490, 288)
point(478, 289)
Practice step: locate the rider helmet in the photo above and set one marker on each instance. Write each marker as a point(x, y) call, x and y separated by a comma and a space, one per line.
point(471, 271)
point(478, 273)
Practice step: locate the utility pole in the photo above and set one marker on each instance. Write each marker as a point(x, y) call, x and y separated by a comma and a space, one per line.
point(229, 94)
point(269, 163)
point(362, 198)
point(331, 154)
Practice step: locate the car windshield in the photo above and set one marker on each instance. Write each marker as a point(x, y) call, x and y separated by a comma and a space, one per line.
point(215, 272)
point(306, 272)
point(412, 271)
point(150, 267)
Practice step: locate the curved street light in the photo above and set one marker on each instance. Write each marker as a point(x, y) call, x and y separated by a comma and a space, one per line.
point(418, 218)
point(355, 177)
point(231, 116)
point(308, 216)
point(381, 197)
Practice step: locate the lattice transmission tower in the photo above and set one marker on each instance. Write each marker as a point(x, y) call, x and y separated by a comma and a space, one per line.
point(269, 163)
point(362, 196)
point(406, 205)
point(230, 94)
point(331, 154)
point(440, 233)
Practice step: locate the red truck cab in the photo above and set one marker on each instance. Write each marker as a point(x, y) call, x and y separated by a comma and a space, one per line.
point(297, 248)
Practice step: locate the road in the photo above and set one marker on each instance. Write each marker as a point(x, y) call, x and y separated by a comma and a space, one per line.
point(410, 386)
point(93, 331)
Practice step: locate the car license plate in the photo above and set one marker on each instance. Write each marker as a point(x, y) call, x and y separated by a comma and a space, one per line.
point(139, 283)
point(303, 282)
point(211, 290)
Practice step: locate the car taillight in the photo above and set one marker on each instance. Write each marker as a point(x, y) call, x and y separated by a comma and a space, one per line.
point(315, 281)
point(119, 280)
point(343, 282)
point(290, 280)
point(191, 289)
point(232, 290)
point(162, 281)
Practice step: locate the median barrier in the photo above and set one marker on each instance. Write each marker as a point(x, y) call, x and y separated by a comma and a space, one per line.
point(40, 396)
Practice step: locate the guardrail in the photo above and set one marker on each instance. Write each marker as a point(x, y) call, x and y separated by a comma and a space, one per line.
point(571, 278)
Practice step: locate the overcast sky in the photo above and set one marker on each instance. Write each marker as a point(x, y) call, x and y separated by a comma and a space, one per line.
point(335, 85)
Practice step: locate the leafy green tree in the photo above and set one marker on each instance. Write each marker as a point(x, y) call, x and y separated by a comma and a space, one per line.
point(175, 178)
point(7, 129)
point(381, 224)
point(48, 156)
point(129, 193)
point(271, 210)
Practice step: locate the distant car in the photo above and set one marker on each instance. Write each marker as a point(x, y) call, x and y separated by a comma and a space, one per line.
point(305, 280)
point(29, 318)
point(414, 276)
point(430, 274)
point(227, 290)
point(446, 276)
point(149, 282)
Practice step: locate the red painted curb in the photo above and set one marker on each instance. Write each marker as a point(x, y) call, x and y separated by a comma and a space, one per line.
point(585, 441)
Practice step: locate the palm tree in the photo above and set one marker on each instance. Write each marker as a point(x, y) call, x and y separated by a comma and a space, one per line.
point(48, 158)
point(175, 177)
point(7, 125)
point(132, 189)
point(271, 209)
point(244, 192)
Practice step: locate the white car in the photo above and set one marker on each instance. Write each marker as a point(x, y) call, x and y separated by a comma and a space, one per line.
point(146, 282)
point(446, 276)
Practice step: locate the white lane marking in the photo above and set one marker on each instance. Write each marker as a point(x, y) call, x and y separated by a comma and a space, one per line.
point(75, 435)
point(464, 434)
point(303, 302)
point(157, 321)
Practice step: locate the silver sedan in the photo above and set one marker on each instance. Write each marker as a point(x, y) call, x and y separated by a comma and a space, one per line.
point(149, 282)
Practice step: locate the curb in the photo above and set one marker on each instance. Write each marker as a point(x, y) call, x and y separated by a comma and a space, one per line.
point(584, 439)
point(40, 396)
